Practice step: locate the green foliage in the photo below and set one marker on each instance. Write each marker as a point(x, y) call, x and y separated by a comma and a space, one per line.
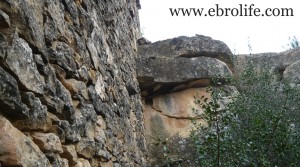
point(259, 127)
point(171, 152)
point(293, 43)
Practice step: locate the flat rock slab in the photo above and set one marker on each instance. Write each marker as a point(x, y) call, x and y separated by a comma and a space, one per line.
point(157, 74)
point(164, 65)
point(197, 46)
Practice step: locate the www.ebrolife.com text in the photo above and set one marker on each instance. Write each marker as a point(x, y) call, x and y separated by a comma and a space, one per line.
point(241, 10)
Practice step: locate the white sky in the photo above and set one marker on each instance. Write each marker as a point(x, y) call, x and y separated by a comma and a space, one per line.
point(265, 34)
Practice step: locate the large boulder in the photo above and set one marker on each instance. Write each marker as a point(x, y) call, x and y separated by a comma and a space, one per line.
point(163, 65)
point(197, 46)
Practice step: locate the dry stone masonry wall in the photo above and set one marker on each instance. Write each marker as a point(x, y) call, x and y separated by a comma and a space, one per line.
point(68, 89)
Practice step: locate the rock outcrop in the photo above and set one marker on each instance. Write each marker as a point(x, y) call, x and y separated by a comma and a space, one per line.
point(275, 63)
point(181, 63)
point(171, 72)
point(68, 89)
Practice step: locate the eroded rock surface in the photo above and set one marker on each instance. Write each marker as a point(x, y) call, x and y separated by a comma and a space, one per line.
point(171, 73)
point(164, 65)
point(275, 63)
point(197, 46)
point(171, 114)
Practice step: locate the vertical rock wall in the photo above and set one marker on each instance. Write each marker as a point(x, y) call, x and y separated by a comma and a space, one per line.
point(68, 89)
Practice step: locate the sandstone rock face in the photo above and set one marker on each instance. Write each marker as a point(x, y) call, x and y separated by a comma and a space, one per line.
point(68, 81)
point(171, 114)
point(164, 65)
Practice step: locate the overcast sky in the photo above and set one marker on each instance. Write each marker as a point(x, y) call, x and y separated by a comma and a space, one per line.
point(265, 34)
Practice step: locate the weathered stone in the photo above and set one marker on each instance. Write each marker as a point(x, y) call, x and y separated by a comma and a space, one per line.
point(291, 73)
point(76, 62)
point(72, 85)
point(143, 41)
point(83, 163)
point(47, 142)
point(169, 73)
point(269, 62)
point(179, 104)
point(37, 110)
point(69, 153)
point(72, 10)
point(24, 66)
point(182, 69)
point(3, 47)
point(56, 160)
point(64, 162)
point(100, 130)
point(27, 18)
point(83, 74)
point(71, 132)
point(16, 149)
point(63, 55)
point(170, 114)
point(32, 124)
point(100, 122)
point(106, 164)
point(99, 133)
point(86, 148)
point(100, 87)
point(164, 66)
point(197, 46)
point(10, 98)
point(56, 94)
point(103, 154)
point(4, 20)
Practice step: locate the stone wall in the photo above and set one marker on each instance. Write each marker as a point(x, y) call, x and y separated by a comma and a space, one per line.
point(68, 89)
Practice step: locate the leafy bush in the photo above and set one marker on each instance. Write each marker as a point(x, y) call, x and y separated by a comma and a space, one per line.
point(259, 127)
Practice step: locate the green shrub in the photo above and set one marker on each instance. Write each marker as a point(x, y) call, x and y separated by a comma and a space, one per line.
point(259, 127)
